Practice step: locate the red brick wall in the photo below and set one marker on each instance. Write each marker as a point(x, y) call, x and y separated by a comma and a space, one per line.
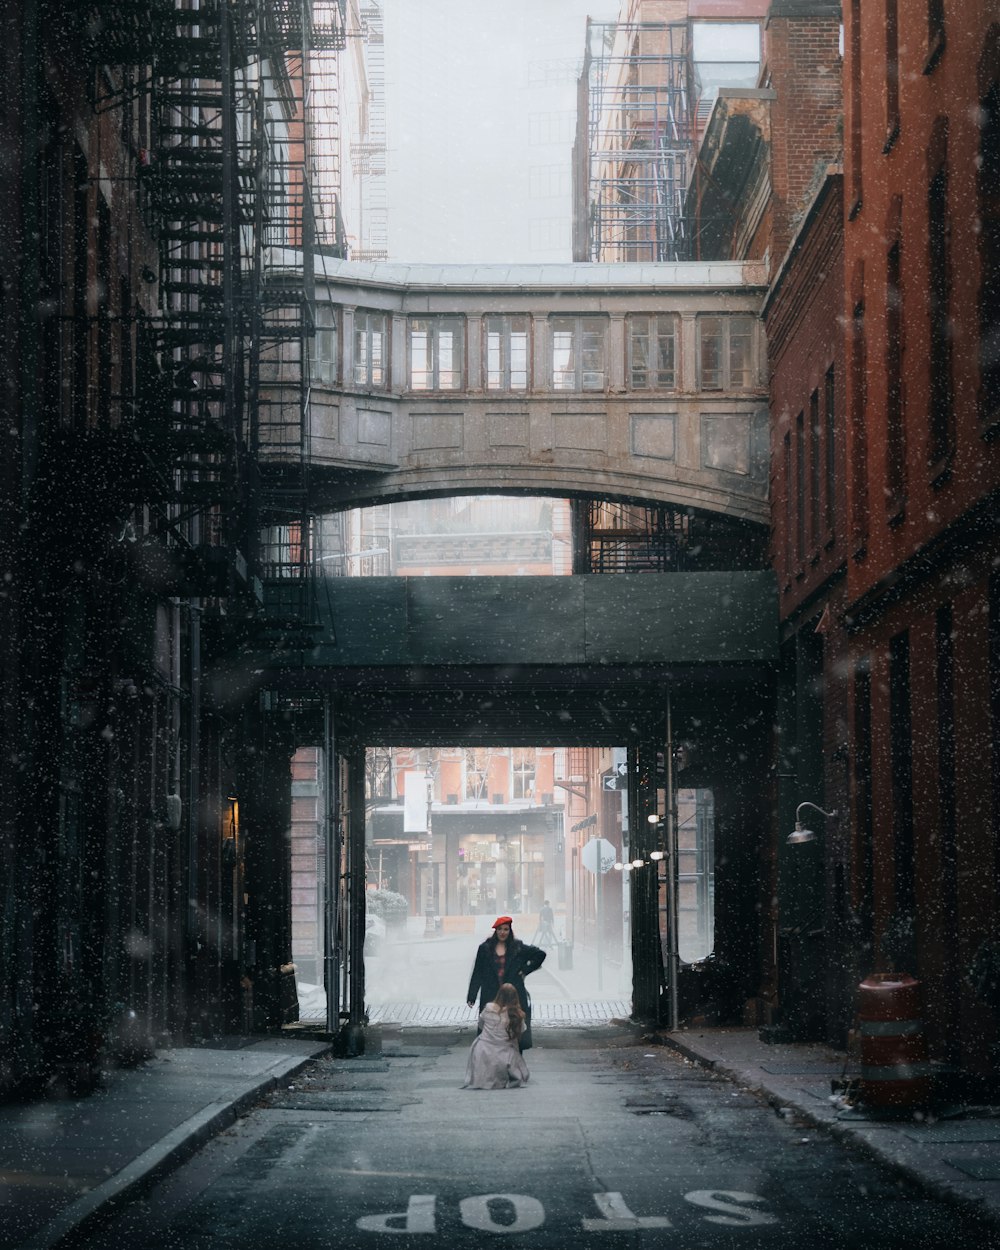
point(803, 62)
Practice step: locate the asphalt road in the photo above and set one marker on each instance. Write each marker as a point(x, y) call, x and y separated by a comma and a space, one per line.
point(613, 1144)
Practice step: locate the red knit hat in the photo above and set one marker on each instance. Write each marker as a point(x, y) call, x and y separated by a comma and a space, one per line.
point(502, 920)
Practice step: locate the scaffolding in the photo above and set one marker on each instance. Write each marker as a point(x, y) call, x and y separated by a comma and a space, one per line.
point(640, 140)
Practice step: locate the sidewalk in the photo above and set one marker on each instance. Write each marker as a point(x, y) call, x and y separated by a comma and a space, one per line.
point(64, 1160)
point(955, 1156)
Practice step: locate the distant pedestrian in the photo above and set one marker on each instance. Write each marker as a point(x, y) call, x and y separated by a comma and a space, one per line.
point(495, 1060)
point(545, 934)
point(503, 958)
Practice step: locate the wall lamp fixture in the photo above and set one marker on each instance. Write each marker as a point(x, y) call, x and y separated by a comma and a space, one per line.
point(800, 833)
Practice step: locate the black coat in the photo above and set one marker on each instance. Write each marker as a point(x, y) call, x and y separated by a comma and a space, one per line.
point(521, 959)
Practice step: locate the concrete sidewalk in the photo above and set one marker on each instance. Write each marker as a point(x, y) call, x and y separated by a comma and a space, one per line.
point(63, 1161)
point(953, 1154)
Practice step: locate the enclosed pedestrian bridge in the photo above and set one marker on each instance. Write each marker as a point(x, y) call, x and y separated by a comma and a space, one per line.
point(627, 381)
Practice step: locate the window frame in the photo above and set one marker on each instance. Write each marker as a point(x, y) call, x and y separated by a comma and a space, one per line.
point(434, 324)
point(324, 364)
point(505, 329)
point(580, 325)
point(653, 332)
point(366, 333)
point(725, 366)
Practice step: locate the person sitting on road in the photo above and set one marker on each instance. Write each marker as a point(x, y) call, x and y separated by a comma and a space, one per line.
point(495, 1060)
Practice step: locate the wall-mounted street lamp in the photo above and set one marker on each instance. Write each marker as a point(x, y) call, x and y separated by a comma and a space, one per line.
point(800, 833)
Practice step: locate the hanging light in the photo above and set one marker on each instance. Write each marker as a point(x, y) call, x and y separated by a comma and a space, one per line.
point(800, 833)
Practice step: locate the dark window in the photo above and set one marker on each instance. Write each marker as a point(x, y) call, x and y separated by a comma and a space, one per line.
point(901, 751)
point(800, 491)
point(891, 73)
point(830, 440)
point(103, 322)
point(989, 255)
point(859, 431)
point(945, 653)
point(787, 464)
point(935, 33)
point(994, 679)
point(857, 137)
point(81, 237)
point(815, 470)
point(894, 415)
point(863, 797)
point(942, 391)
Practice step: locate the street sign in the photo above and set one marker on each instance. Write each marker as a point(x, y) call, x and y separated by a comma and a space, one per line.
point(598, 855)
point(614, 782)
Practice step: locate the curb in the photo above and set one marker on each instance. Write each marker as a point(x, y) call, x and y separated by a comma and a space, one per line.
point(841, 1132)
point(175, 1148)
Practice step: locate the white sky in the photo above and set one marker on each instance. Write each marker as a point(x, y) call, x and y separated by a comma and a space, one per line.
point(481, 107)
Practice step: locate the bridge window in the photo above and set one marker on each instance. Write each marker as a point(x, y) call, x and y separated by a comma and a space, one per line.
point(652, 352)
point(577, 353)
point(506, 353)
point(370, 353)
point(727, 357)
point(436, 353)
point(324, 347)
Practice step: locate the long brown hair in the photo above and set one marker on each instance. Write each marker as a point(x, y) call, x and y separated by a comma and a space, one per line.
point(507, 1000)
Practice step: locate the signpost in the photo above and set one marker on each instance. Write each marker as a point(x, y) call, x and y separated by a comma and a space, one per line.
point(598, 857)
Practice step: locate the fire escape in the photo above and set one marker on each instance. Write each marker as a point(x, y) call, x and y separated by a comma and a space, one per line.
point(218, 423)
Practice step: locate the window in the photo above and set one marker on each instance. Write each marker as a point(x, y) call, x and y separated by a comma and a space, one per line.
point(855, 109)
point(988, 180)
point(522, 773)
point(891, 73)
point(935, 33)
point(506, 353)
point(726, 353)
point(800, 492)
point(370, 354)
point(859, 432)
point(830, 439)
point(324, 347)
point(942, 397)
point(815, 471)
point(652, 352)
point(894, 414)
point(477, 768)
point(436, 353)
point(786, 461)
point(725, 54)
point(695, 874)
point(577, 353)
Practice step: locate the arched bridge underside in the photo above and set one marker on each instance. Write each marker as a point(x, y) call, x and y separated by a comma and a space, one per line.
point(582, 660)
point(642, 382)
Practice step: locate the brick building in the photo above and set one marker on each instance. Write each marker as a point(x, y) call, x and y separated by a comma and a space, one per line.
point(922, 398)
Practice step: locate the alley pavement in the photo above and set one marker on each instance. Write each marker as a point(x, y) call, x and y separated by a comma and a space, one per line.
point(67, 1164)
